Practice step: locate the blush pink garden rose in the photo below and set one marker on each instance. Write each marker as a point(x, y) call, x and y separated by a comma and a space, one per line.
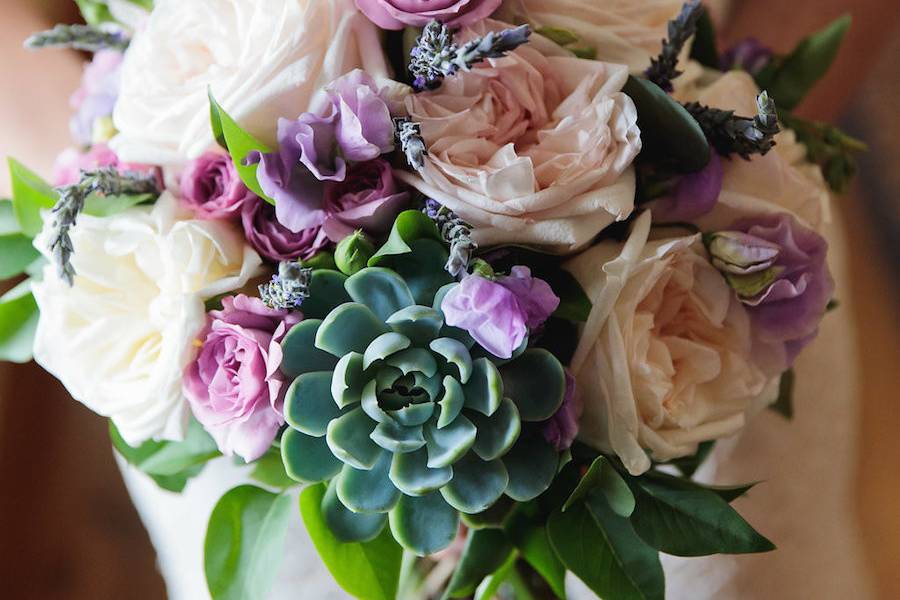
point(397, 14)
point(69, 164)
point(235, 386)
point(665, 360)
point(212, 188)
point(535, 147)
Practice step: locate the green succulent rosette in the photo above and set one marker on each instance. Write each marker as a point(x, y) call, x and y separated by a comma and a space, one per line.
point(409, 420)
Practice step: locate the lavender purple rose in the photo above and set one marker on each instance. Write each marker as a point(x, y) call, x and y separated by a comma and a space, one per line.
point(396, 14)
point(235, 386)
point(212, 188)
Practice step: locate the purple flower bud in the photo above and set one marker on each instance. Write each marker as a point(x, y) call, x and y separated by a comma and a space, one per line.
point(694, 195)
point(490, 313)
point(212, 188)
point(560, 430)
point(749, 54)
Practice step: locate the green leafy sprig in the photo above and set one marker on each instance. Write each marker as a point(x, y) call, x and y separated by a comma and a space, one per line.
point(829, 147)
point(732, 134)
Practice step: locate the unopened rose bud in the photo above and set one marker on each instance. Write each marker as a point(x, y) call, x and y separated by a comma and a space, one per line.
point(353, 253)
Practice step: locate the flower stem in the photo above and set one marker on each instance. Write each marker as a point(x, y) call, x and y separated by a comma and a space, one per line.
point(520, 586)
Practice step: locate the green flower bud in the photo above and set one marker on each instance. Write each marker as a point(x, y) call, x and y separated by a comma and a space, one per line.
point(353, 253)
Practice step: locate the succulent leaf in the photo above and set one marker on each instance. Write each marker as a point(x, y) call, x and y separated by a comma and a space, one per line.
point(420, 324)
point(412, 476)
point(425, 524)
point(456, 353)
point(348, 438)
point(350, 327)
point(383, 346)
point(347, 380)
point(308, 459)
point(536, 382)
point(300, 353)
point(414, 360)
point(398, 438)
point(370, 405)
point(423, 269)
point(382, 290)
point(347, 525)
point(448, 444)
point(326, 292)
point(476, 484)
point(451, 403)
point(484, 390)
point(368, 491)
point(497, 433)
point(308, 404)
point(531, 464)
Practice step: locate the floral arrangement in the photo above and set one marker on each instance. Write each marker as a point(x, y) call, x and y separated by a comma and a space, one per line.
point(480, 281)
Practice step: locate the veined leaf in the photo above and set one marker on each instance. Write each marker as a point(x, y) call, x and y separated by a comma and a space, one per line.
point(244, 542)
point(602, 478)
point(368, 571)
point(18, 322)
point(31, 194)
point(269, 470)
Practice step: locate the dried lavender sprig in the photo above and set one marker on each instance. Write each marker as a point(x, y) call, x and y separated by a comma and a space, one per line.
point(436, 56)
point(456, 232)
point(105, 182)
point(409, 137)
point(80, 37)
point(288, 288)
point(662, 69)
point(744, 136)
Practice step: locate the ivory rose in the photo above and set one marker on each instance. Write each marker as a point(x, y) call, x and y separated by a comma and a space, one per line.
point(121, 337)
point(262, 59)
point(665, 360)
point(782, 180)
point(535, 147)
point(629, 32)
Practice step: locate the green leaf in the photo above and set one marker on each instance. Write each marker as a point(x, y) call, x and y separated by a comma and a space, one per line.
point(688, 465)
point(691, 521)
point(703, 48)
point(601, 477)
point(790, 79)
point(486, 550)
point(563, 37)
point(497, 433)
point(18, 322)
point(584, 548)
point(239, 144)
point(169, 464)
point(533, 544)
point(424, 524)
point(98, 205)
point(368, 491)
point(536, 382)
point(532, 464)
point(94, 12)
point(346, 525)
point(308, 404)
point(300, 352)
point(489, 587)
point(574, 304)
point(668, 131)
point(244, 542)
point(16, 250)
point(30, 195)
point(348, 328)
point(308, 459)
point(476, 484)
point(409, 226)
point(269, 470)
point(326, 292)
point(728, 493)
point(215, 121)
point(412, 476)
point(370, 570)
point(382, 290)
point(784, 404)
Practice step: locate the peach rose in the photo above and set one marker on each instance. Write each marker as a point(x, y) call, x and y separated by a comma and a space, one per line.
point(532, 148)
point(781, 181)
point(664, 361)
point(620, 31)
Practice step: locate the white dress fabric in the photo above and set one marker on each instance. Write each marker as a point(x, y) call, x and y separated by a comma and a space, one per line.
point(805, 504)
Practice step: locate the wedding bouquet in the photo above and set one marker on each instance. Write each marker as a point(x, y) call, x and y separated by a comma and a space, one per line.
point(480, 282)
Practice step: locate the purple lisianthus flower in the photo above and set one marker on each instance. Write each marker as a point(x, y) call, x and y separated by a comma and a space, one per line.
point(778, 268)
point(490, 313)
point(749, 54)
point(212, 188)
point(694, 195)
point(364, 128)
point(368, 199)
point(396, 14)
point(293, 175)
point(274, 241)
point(560, 430)
point(535, 296)
point(235, 386)
point(97, 95)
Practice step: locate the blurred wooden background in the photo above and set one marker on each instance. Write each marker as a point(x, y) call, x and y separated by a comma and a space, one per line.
point(67, 528)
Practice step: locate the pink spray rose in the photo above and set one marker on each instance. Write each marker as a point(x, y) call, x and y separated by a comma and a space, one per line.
point(266, 234)
point(395, 14)
point(368, 199)
point(70, 163)
point(212, 188)
point(235, 386)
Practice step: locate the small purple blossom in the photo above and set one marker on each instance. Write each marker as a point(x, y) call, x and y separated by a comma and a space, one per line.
point(212, 188)
point(749, 54)
point(364, 127)
point(694, 195)
point(562, 428)
point(274, 241)
point(490, 313)
point(235, 386)
point(535, 296)
point(788, 294)
point(97, 96)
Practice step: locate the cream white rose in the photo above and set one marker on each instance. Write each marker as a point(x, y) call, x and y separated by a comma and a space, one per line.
point(664, 361)
point(535, 147)
point(628, 32)
point(263, 59)
point(782, 180)
point(121, 337)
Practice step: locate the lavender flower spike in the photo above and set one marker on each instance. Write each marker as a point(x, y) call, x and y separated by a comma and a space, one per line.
point(288, 288)
point(456, 232)
point(409, 137)
point(80, 37)
point(436, 56)
point(662, 69)
point(105, 182)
